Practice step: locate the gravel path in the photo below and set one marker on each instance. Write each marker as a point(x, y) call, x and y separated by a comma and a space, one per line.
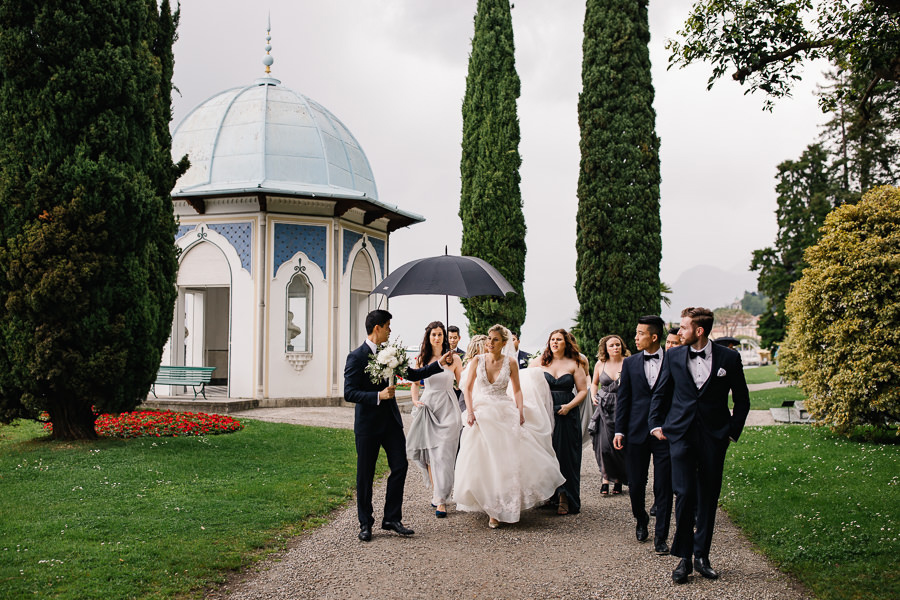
point(592, 555)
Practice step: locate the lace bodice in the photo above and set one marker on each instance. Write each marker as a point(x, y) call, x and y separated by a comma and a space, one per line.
point(483, 387)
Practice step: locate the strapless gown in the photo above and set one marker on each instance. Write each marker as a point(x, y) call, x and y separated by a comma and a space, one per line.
point(433, 437)
point(567, 439)
point(503, 467)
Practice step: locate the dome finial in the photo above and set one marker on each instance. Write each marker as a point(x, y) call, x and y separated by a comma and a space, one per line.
point(267, 59)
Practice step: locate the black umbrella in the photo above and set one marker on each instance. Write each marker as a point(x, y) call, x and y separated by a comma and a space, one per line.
point(727, 341)
point(463, 276)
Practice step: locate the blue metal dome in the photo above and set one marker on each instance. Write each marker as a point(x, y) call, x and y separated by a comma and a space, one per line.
point(267, 138)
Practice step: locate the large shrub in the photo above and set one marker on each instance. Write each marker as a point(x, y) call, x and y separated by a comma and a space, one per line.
point(490, 204)
point(87, 254)
point(618, 224)
point(843, 339)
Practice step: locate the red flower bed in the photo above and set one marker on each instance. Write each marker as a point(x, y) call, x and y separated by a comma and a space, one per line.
point(161, 424)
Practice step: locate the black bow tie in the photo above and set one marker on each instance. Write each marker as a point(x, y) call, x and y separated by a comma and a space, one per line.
point(701, 354)
point(651, 356)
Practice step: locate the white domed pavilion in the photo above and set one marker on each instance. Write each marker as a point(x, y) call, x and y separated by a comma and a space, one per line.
point(282, 237)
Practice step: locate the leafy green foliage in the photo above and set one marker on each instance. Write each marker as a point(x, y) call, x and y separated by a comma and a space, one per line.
point(843, 343)
point(87, 259)
point(766, 42)
point(754, 303)
point(490, 204)
point(805, 195)
point(618, 237)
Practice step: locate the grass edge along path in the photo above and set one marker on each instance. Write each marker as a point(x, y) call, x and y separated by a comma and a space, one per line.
point(823, 508)
point(159, 517)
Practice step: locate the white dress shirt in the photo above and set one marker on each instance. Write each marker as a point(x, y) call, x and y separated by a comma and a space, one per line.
point(700, 368)
point(651, 366)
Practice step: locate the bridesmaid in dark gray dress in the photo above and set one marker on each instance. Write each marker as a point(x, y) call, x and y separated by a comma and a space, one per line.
point(610, 355)
point(563, 370)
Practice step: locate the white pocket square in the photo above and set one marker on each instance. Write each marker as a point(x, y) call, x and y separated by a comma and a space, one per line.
point(721, 373)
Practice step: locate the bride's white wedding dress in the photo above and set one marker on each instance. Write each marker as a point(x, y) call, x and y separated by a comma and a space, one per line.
point(504, 467)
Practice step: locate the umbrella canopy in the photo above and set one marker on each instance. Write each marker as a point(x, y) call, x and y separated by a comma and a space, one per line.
point(463, 276)
point(727, 341)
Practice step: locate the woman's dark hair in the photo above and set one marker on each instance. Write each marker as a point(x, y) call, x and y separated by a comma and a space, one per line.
point(570, 350)
point(425, 353)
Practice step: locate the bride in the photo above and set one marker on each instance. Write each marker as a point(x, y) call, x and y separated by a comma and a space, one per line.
point(506, 461)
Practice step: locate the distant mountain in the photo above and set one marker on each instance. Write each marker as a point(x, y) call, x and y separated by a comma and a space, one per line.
point(705, 285)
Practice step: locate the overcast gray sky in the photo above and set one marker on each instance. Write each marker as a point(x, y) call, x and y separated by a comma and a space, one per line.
point(394, 72)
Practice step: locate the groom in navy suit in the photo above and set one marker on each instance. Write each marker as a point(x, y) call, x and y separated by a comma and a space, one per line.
point(689, 408)
point(640, 373)
point(378, 425)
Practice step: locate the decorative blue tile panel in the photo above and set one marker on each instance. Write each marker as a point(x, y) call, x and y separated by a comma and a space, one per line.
point(309, 239)
point(379, 250)
point(183, 229)
point(350, 239)
point(239, 235)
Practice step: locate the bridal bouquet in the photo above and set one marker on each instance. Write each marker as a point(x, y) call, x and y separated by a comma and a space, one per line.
point(389, 362)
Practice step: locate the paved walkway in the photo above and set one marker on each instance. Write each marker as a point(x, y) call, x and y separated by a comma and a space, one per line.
point(591, 555)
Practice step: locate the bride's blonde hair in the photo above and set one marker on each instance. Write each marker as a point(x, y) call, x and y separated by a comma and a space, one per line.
point(476, 347)
point(503, 331)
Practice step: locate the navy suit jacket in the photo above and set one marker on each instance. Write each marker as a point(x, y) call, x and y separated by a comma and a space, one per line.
point(677, 402)
point(633, 400)
point(372, 417)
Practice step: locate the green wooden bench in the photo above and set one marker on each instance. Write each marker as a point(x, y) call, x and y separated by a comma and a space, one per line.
point(186, 376)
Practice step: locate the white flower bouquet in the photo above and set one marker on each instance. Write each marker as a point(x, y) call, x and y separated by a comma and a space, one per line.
point(389, 362)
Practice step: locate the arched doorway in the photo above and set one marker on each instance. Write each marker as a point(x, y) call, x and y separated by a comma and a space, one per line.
point(202, 336)
point(362, 280)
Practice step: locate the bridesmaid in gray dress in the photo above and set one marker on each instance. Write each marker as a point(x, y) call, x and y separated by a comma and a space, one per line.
point(433, 438)
point(604, 387)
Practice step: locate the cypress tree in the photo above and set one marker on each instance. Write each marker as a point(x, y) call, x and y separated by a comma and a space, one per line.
point(87, 254)
point(618, 241)
point(491, 204)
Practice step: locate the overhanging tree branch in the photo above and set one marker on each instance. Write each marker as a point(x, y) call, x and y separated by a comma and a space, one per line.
point(767, 59)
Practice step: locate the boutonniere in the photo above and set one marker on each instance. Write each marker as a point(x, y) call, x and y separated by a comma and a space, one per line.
point(721, 373)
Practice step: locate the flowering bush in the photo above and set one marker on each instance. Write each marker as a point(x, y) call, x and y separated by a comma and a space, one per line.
point(161, 424)
point(843, 343)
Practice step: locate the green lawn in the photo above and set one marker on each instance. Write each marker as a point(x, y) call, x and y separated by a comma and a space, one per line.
point(156, 518)
point(761, 374)
point(772, 398)
point(824, 508)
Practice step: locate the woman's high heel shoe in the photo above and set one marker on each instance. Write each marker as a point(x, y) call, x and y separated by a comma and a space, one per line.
point(604, 489)
point(440, 514)
point(563, 508)
point(493, 523)
point(617, 488)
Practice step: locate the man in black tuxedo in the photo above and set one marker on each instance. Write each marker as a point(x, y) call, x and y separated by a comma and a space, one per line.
point(378, 424)
point(640, 374)
point(689, 408)
point(522, 357)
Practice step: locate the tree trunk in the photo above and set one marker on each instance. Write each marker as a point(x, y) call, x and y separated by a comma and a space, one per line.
point(72, 421)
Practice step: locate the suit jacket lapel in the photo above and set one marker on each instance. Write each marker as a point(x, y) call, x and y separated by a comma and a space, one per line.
point(658, 373)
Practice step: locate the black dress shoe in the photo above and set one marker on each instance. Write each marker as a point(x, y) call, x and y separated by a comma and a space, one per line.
point(653, 511)
point(660, 546)
point(397, 526)
point(681, 572)
point(641, 533)
point(365, 533)
point(702, 566)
